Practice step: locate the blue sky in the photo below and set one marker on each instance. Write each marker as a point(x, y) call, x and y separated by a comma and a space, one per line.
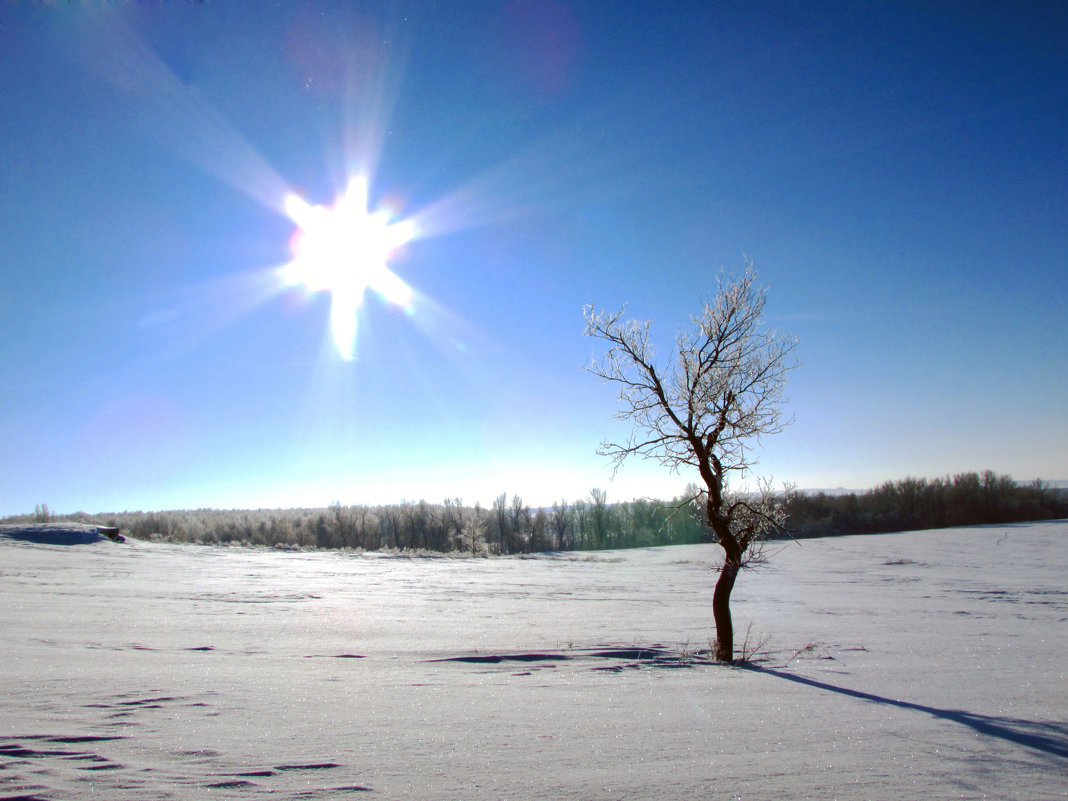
point(896, 171)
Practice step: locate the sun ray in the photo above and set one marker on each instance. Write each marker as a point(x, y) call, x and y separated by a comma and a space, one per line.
point(169, 109)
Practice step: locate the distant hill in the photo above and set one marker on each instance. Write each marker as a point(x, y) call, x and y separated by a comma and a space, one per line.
point(1056, 484)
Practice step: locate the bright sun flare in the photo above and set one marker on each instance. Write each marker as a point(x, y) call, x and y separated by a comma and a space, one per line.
point(344, 250)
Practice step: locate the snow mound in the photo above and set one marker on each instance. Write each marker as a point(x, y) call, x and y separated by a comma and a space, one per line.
point(61, 533)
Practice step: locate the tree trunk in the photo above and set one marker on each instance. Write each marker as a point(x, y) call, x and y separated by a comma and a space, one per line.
point(721, 610)
point(732, 563)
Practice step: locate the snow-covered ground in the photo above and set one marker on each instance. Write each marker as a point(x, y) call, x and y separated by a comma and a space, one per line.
point(919, 665)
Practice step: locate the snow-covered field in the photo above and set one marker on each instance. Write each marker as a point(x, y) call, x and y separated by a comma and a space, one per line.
point(923, 665)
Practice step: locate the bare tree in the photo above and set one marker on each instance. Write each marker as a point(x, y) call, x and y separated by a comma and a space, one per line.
point(453, 518)
point(517, 523)
point(560, 523)
point(500, 517)
point(540, 532)
point(705, 410)
point(344, 525)
point(476, 527)
point(367, 535)
point(599, 517)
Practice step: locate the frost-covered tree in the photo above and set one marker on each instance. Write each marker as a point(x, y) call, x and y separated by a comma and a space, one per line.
point(41, 513)
point(705, 410)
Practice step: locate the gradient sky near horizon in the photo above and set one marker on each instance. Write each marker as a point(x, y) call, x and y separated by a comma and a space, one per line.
point(897, 172)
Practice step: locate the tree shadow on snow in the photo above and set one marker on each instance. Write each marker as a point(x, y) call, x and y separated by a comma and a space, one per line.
point(619, 658)
point(1050, 737)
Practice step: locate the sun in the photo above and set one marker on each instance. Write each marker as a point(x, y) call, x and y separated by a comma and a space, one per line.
point(345, 250)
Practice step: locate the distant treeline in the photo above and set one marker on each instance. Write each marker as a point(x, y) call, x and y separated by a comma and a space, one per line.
point(510, 526)
point(967, 499)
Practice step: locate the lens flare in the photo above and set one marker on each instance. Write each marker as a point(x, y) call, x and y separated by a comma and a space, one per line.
point(345, 250)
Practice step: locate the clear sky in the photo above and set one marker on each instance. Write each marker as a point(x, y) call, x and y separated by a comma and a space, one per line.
point(897, 172)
